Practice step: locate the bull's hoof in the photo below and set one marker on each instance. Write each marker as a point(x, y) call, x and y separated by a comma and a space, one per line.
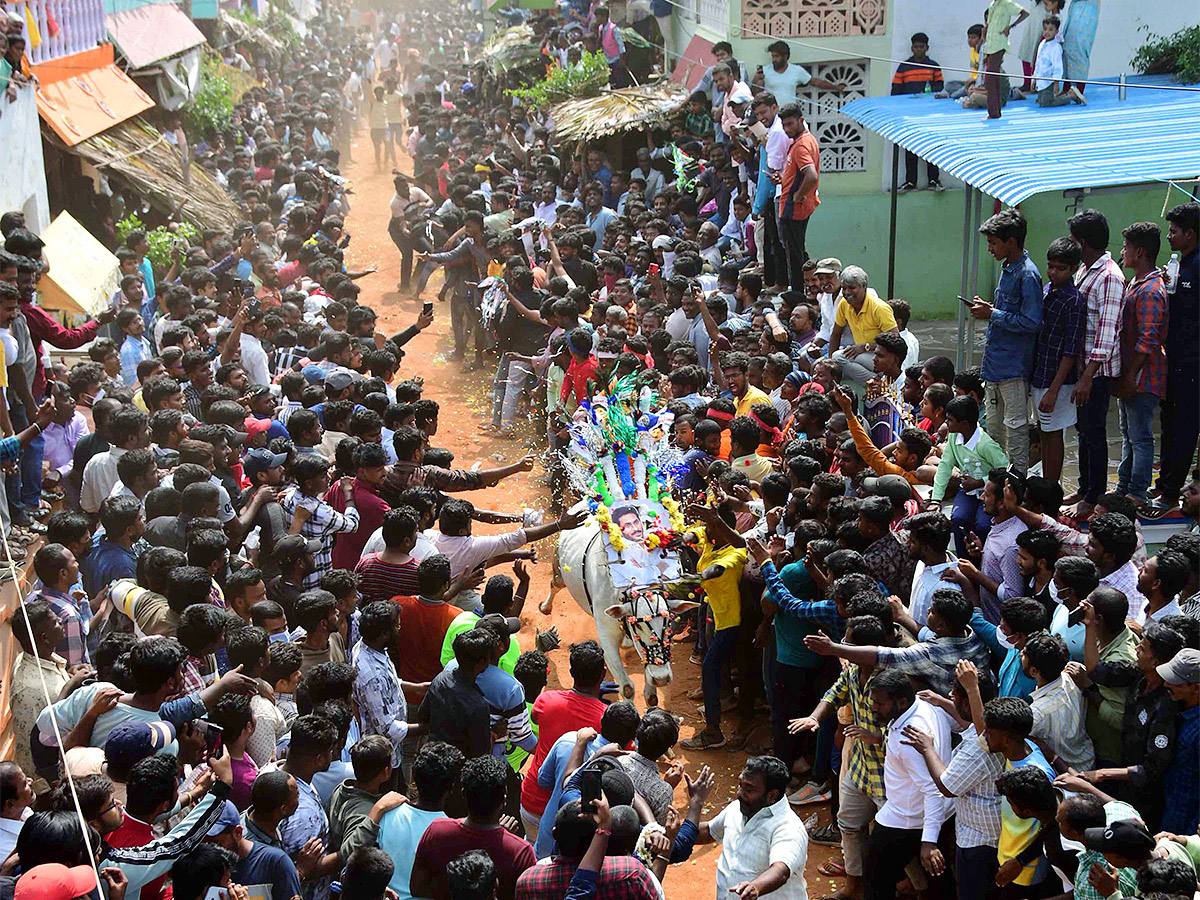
point(627, 691)
point(652, 699)
point(546, 606)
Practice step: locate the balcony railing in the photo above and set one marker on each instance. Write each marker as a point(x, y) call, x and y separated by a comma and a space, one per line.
point(80, 26)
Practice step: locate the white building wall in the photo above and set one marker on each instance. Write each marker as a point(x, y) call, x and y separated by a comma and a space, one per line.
point(23, 186)
point(1124, 26)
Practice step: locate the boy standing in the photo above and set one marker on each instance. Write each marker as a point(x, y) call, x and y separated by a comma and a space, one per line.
point(916, 75)
point(1000, 18)
point(1143, 381)
point(1059, 344)
point(1014, 318)
point(135, 347)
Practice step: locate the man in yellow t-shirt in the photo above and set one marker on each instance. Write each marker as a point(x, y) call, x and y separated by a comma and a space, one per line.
point(860, 310)
point(722, 557)
point(735, 367)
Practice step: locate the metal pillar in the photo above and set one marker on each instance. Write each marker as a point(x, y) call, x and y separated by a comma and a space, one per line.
point(973, 275)
point(964, 288)
point(891, 282)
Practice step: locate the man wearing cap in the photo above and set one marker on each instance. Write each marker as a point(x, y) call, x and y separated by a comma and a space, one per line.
point(264, 870)
point(1128, 844)
point(264, 469)
point(1182, 782)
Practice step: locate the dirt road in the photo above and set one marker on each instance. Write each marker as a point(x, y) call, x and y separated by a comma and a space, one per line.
point(465, 400)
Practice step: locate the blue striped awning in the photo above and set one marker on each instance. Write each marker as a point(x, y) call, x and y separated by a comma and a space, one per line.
point(1152, 135)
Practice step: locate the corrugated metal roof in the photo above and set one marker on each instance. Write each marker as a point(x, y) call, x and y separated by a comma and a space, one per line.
point(1150, 136)
point(150, 33)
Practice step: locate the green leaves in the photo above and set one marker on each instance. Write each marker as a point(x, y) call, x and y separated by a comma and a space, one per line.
point(211, 109)
point(1178, 54)
point(583, 79)
point(162, 239)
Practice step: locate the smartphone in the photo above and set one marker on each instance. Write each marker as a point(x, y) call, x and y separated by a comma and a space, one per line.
point(964, 301)
point(589, 788)
point(213, 735)
point(1075, 617)
point(653, 268)
point(427, 308)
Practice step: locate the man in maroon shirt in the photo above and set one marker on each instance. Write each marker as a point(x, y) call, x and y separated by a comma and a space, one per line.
point(370, 461)
point(43, 327)
point(483, 787)
point(556, 713)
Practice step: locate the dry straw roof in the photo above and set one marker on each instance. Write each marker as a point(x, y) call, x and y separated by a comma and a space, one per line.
point(136, 151)
point(615, 112)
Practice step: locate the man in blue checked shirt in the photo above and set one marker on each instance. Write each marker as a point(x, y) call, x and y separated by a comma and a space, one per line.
point(1014, 318)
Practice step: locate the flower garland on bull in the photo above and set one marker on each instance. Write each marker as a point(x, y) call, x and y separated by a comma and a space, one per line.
point(620, 450)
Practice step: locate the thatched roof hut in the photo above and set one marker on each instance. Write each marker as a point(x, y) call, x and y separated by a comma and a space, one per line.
point(137, 152)
point(616, 112)
point(510, 49)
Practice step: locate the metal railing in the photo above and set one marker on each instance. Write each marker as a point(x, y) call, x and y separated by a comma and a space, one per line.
point(64, 26)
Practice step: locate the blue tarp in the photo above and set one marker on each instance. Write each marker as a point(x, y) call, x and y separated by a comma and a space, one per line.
point(1152, 135)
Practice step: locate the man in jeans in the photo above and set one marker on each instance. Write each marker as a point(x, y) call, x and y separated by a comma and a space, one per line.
point(1143, 381)
point(1014, 319)
point(1102, 285)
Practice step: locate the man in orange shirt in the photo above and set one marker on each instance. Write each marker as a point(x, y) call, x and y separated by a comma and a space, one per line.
point(798, 196)
point(424, 621)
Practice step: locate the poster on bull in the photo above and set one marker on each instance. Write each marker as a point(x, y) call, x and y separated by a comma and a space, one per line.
point(635, 557)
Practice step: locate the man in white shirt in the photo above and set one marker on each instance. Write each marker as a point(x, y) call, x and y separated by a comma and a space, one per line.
point(466, 551)
point(909, 821)
point(254, 357)
point(783, 78)
point(764, 846)
point(128, 430)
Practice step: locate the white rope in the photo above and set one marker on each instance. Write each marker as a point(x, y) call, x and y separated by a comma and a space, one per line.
point(87, 841)
point(841, 53)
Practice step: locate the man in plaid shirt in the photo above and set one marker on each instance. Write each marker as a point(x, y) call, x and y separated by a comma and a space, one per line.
point(1143, 380)
point(931, 661)
point(861, 789)
point(1102, 285)
point(320, 520)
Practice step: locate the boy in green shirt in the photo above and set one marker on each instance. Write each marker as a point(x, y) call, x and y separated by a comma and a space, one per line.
point(974, 453)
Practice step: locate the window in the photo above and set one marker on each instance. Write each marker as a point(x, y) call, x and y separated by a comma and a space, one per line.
point(812, 18)
point(843, 141)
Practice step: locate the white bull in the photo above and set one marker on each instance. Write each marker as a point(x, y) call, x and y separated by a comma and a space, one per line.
point(581, 566)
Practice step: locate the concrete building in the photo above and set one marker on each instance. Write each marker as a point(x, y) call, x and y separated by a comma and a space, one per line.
point(853, 42)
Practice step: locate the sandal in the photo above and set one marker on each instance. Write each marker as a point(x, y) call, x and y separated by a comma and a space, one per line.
point(703, 741)
point(832, 869)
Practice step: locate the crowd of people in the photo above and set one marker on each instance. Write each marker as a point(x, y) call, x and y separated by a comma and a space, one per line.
point(302, 682)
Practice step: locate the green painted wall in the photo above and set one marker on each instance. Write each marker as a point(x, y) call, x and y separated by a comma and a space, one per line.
point(854, 228)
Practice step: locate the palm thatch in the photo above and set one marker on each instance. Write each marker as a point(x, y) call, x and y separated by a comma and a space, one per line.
point(615, 112)
point(136, 151)
point(513, 48)
point(239, 81)
point(240, 30)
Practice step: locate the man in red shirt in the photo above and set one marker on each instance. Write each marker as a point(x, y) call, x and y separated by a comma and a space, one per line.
point(556, 713)
point(581, 374)
point(483, 786)
point(151, 791)
point(798, 195)
point(370, 461)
